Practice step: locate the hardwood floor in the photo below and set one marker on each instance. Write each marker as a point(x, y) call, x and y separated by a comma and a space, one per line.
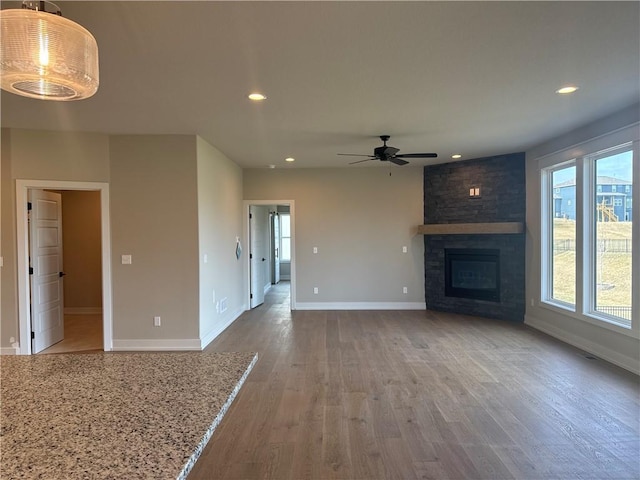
point(418, 394)
point(82, 333)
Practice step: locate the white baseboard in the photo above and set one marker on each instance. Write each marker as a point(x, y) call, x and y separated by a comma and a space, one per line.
point(180, 344)
point(599, 351)
point(9, 350)
point(361, 306)
point(213, 334)
point(83, 310)
point(135, 345)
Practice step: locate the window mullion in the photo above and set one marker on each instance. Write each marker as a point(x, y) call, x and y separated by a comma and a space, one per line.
point(588, 230)
point(635, 233)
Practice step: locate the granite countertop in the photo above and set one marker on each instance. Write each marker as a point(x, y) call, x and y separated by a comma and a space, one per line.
point(113, 415)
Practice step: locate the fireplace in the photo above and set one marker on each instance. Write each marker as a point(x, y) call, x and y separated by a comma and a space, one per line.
point(472, 273)
point(485, 264)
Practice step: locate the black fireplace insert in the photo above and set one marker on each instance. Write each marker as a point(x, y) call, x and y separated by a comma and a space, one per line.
point(472, 273)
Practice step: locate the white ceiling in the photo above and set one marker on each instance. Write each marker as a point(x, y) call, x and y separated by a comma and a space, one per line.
point(476, 78)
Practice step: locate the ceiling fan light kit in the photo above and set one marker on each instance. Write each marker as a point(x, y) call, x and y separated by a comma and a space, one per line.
point(386, 153)
point(46, 56)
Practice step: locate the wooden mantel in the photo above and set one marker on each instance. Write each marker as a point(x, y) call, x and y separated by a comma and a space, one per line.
point(472, 228)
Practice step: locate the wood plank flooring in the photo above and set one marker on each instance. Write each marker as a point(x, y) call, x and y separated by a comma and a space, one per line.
point(418, 394)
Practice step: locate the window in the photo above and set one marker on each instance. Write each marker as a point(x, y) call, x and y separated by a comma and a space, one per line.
point(587, 254)
point(611, 242)
point(562, 259)
point(285, 237)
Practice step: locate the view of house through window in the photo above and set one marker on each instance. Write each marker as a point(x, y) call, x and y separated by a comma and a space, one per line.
point(612, 231)
point(285, 237)
point(563, 234)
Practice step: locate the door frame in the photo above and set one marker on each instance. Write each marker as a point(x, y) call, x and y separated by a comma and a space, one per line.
point(24, 310)
point(274, 221)
point(247, 266)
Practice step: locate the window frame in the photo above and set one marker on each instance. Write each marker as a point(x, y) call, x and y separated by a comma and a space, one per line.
point(281, 215)
point(583, 154)
point(547, 233)
point(590, 235)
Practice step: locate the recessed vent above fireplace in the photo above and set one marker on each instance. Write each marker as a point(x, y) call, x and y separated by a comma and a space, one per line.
point(472, 273)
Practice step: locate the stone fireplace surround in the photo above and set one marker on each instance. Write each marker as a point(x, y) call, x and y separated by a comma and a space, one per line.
point(455, 220)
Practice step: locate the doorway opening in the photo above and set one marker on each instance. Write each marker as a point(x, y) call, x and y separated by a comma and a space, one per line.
point(25, 317)
point(270, 263)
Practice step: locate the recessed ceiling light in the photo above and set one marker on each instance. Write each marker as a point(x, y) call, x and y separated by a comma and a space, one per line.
point(567, 89)
point(257, 97)
point(289, 159)
point(457, 155)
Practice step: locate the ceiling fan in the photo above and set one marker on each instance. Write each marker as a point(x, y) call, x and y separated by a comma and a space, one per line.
point(389, 154)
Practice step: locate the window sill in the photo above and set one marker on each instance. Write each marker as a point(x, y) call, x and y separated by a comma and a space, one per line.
point(590, 319)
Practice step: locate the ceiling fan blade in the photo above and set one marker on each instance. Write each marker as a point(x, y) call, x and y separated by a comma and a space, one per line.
point(360, 161)
point(398, 161)
point(355, 155)
point(418, 155)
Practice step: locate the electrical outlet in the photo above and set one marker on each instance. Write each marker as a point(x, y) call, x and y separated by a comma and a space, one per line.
point(156, 321)
point(315, 290)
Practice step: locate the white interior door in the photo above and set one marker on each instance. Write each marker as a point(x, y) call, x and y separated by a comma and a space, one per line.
point(45, 254)
point(256, 255)
point(275, 247)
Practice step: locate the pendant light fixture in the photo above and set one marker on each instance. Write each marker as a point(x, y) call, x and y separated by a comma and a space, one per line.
point(46, 56)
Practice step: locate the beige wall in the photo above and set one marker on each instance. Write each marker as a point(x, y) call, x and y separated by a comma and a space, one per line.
point(619, 348)
point(219, 223)
point(154, 218)
point(359, 219)
point(164, 190)
point(8, 300)
point(81, 250)
point(39, 155)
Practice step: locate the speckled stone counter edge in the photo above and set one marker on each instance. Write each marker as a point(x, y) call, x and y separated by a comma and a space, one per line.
point(207, 436)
